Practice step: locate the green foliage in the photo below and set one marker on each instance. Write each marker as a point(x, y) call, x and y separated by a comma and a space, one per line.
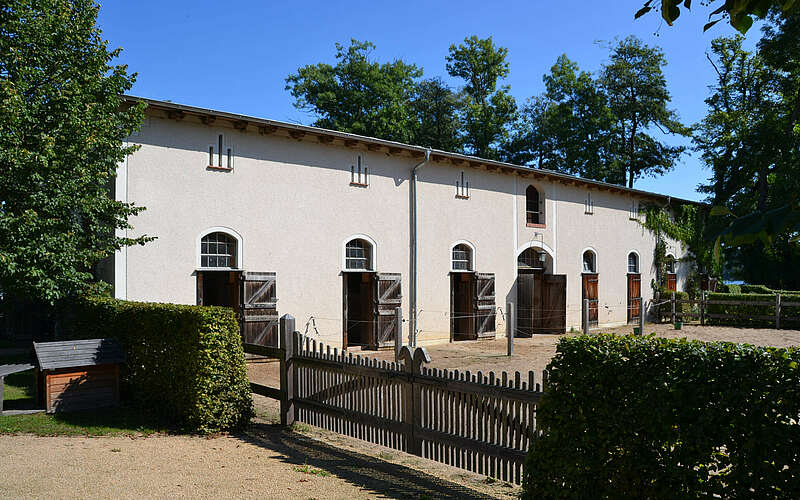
point(358, 94)
point(601, 128)
point(752, 289)
point(740, 13)
point(436, 107)
point(185, 362)
point(637, 94)
point(487, 110)
point(117, 421)
point(657, 418)
point(664, 308)
point(761, 314)
point(62, 133)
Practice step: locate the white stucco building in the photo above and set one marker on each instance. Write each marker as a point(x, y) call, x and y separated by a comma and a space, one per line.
point(273, 218)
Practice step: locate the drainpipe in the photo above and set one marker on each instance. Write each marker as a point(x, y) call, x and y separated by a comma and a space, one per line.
point(414, 240)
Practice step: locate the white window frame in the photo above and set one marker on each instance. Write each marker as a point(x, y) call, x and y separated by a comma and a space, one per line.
point(373, 256)
point(472, 255)
point(359, 173)
point(588, 204)
point(221, 159)
point(596, 261)
point(239, 250)
point(638, 262)
point(674, 263)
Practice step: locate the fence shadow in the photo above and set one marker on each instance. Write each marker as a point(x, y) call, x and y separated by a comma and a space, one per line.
point(371, 473)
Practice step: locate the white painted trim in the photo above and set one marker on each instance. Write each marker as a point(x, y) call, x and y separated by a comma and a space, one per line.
point(596, 261)
point(555, 229)
point(374, 256)
point(473, 257)
point(230, 232)
point(638, 261)
point(515, 215)
point(121, 255)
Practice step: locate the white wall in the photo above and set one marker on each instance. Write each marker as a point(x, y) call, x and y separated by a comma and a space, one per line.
point(292, 204)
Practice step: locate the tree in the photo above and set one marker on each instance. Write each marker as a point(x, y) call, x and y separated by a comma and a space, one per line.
point(435, 110)
point(487, 111)
point(637, 96)
point(740, 13)
point(62, 133)
point(358, 95)
point(749, 141)
point(577, 124)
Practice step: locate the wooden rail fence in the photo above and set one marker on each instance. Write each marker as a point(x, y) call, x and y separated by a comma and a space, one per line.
point(701, 311)
point(476, 421)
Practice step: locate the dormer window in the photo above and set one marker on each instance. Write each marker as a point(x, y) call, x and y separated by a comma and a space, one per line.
point(358, 174)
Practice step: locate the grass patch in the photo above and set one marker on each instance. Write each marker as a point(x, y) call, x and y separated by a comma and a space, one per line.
point(307, 469)
point(120, 421)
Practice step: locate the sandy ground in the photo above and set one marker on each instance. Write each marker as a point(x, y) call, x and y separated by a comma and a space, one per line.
point(264, 462)
point(535, 353)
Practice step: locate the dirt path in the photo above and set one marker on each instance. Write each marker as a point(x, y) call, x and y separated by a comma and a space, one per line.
point(264, 462)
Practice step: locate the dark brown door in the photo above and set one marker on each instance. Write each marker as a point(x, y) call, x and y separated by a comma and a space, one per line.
point(529, 302)
point(259, 313)
point(672, 282)
point(358, 310)
point(388, 298)
point(218, 288)
point(462, 306)
point(484, 305)
point(590, 292)
point(634, 296)
point(554, 303)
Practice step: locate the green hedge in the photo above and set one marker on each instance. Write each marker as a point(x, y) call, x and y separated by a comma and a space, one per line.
point(665, 309)
point(184, 362)
point(747, 315)
point(762, 289)
point(646, 417)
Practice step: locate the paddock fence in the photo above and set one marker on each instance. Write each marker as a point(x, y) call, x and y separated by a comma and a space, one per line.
point(707, 311)
point(481, 422)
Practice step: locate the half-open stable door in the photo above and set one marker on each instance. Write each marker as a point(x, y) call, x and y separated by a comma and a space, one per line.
point(554, 303)
point(529, 302)
point(259, 313)
point(485, 310)
point(388, 297)
point(590, 292)
point(634, 296)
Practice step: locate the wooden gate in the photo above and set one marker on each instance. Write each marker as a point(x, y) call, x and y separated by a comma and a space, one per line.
point(484, 301)
point(387, 298)
point(590, 293)
point(258, 311)
point(634, 296)
point(480, 422)
point(554, 303)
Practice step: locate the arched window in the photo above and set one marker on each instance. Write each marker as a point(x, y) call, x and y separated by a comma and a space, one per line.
point(531, 258)
point(462, 258)
point(358, 255)
point(533, 210)
point(218, 249)
point(670, 261)
point(589, 262)
point(633, 263)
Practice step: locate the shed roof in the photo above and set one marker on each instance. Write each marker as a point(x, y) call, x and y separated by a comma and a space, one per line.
point(74, 353)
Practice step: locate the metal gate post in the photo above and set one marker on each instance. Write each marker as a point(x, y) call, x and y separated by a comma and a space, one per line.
point(287, 337)
point(586, 316)
point(641, 315)
point(398, 340)
point(510, 327)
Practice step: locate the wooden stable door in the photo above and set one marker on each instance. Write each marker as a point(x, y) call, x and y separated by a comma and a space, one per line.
point(484, 301)
point(259, 313)
point(387, 298)
point(590, 292)
point(672, 282)
point(634, 296)
point(554, 303)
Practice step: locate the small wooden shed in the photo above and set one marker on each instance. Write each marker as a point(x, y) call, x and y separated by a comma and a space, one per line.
point(78, 374)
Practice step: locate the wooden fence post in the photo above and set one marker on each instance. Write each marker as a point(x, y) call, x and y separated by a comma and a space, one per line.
point(674, 317)
point(641, 315)
point(288, 336)
point(586, 316)
point(510, 327)
point(398, 341)
point(777, 311)
point(703, 308)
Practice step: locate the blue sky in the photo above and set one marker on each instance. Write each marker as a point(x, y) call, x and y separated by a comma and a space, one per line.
point(234, 56)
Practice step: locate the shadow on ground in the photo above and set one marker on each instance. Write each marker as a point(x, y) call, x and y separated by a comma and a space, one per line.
point(370, 473)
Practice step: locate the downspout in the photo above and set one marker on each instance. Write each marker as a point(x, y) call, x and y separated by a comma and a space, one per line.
point(414, 241)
